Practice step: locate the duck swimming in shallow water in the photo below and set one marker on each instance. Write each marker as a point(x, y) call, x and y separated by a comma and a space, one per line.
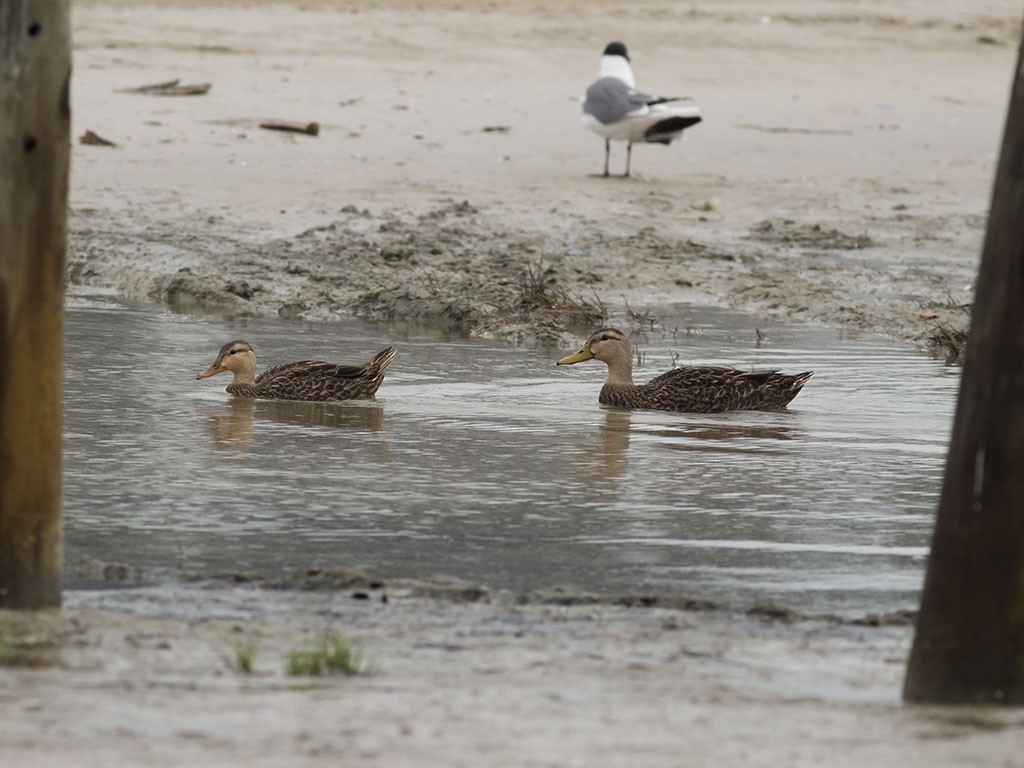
point(312, 380)
point(692, 388)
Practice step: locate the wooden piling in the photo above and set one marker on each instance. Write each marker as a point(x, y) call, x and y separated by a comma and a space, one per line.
point(35, 132)
point(969, 644)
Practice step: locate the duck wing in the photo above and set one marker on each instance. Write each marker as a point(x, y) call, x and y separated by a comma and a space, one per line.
point(713, 389)
point(319, 380)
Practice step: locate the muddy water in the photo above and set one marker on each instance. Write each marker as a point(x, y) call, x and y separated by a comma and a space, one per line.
point(487, 463)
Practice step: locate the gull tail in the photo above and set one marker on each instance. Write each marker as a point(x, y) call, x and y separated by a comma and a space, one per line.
point(664, 131)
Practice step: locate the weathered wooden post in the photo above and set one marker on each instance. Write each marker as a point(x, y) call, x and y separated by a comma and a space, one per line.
point(35, 125)
point(969, 645)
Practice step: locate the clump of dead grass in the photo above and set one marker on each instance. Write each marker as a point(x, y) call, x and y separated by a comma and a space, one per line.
point(542, 295)
point(947, 342)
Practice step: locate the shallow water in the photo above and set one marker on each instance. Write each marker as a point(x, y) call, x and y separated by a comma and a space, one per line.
point(486, 462)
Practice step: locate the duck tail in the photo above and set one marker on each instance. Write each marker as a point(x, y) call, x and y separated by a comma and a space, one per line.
point(381, 361)
point(800, 379)
point(373, 371)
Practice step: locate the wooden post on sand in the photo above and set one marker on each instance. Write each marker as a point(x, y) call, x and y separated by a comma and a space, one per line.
point(35, 134)
point(969, 645)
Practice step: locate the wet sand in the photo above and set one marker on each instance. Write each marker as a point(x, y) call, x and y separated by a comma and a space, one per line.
point(841, 176)
point(470, 679)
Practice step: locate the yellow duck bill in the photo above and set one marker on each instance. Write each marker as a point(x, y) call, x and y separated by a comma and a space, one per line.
point(579, 357)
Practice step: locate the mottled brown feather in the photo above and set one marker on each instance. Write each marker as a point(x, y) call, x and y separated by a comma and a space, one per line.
point(694, 389)
point(311, 380)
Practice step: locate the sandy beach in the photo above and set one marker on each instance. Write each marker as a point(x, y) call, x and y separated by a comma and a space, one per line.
point(841, 176)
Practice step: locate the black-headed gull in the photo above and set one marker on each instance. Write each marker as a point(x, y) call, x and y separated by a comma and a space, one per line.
point(615, 109)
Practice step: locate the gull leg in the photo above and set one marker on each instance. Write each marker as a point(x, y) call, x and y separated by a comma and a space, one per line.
point(607, 153)
point(629, 156)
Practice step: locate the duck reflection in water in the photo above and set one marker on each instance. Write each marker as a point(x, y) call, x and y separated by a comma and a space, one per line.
point(602, 464)
point(724, 437)
point(233, 429)
point(615, 444)
point(607, 466)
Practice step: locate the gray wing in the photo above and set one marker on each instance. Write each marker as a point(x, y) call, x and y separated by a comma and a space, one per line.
point(610, 99)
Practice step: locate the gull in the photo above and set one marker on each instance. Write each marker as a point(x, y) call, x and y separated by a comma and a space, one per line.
point(615, 109)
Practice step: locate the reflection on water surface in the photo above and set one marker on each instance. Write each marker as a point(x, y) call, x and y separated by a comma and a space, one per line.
point(487, 463)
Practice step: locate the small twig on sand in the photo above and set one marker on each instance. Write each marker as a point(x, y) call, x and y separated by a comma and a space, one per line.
point(170, 88)
point(310, 129)
point(90, 137)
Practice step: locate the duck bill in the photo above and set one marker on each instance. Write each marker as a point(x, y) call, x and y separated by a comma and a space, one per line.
point(579, 357)
point(213, 370)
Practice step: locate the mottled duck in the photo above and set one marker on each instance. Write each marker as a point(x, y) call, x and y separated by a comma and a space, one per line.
point(691, 388)
point(304, 380)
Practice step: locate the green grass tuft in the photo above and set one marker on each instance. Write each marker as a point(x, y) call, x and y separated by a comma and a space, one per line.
point(244, 660)
point(331, 654)
point(26, 651)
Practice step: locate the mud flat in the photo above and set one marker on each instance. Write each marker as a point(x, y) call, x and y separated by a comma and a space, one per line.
point(841, 174)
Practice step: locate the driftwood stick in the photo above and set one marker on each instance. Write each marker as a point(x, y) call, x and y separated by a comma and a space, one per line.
point(170, 88)
point(310, 129)
point(91, 137)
